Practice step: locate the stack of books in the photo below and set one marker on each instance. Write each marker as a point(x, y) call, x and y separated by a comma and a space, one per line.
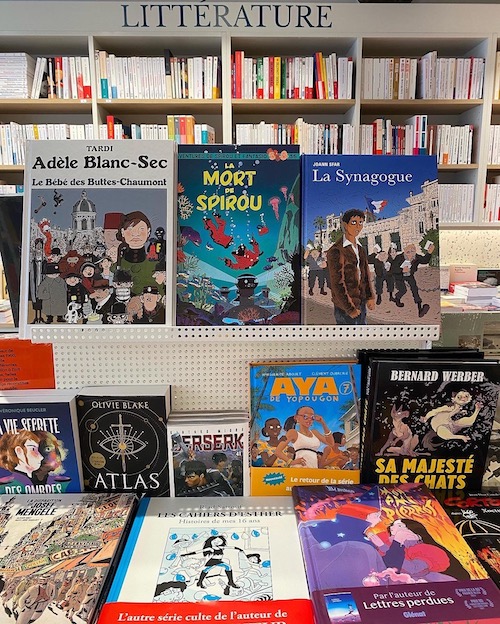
point(477, 293)
point(16, 75)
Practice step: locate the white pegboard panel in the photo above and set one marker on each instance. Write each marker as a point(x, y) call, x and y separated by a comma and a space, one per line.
point(150, 334)
point(474, 246)
point(204, 374)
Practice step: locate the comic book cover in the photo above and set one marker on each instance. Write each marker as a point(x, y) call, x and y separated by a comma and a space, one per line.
point(358, 539)
point(429, 421)
point(98, 233)
point(57, 553)
point(208, 453)
point(39, 443)
point(222, 549)
point(491, 478)
point(304, 424)
point(238, 220)
point(370, 248)
point(476, 515)
point(123, 438)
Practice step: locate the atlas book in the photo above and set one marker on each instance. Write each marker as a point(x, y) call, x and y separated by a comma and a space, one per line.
point(222, 549)
point(98, 233)
point(238, 242)
point(357, 539)
point(370, 246)
point(476, 515)
point(39, 442)
point(304, 424)
point(208, 453)
point(429, 421)
point(58, 554)
point(123, 438)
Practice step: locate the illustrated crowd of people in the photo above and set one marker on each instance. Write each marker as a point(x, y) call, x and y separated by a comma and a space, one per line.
point(121, 280)
point(215, 474)
point(345, 270)
point(71, 593)
point(297, 443)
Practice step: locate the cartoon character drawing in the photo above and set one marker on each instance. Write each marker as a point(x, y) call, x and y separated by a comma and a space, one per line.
point(401, 440)
point(216, 230)
point(243, 257)
point(448, 420)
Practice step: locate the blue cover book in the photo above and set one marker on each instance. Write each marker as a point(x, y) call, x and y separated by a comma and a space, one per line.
point(370, 249)
point(304, 424)
point(39, 444)
point(238, 242)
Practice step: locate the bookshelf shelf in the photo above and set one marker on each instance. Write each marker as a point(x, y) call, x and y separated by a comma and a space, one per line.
point(407, 107)
point(45, 106)
point(299, 107)
point(170, 106)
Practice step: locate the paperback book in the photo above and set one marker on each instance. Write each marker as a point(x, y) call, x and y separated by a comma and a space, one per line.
point(238, 241)
point(357, 539)
point(429, 421)
point(476, 515)
point(208, 453)
point(123, 438)
point(98, 233)
point(58, 553)
point(39, 442)
point(370, 248)
point(218, 550)
point(304, 424)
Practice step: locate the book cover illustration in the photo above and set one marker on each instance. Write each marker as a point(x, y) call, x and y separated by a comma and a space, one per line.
point(123, 441)
point(238, 241)
point(388, 553)
point(39, 447)
point(430, 422)
point(97, 233)
point(370, 251)
point(56, 553)
point(305, 424)
point(491, 478)
point(232, 549)
point(476, 515)
point(208, 458)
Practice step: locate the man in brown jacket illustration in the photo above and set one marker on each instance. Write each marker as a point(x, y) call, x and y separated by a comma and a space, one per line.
point(351, 287)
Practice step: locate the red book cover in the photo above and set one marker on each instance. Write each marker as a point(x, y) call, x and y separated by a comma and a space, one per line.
point(238, 72)
point(58, 69)
point(271, 77)
point(268, 612)
point(110, 123)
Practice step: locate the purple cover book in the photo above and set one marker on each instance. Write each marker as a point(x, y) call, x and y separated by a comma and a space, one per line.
point(390, 552)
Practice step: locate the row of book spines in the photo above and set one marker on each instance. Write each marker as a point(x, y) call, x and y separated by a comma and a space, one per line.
point(289, 78)
point(494, 145)
point(11, 189)
point(451, 144)
point(491, 207)
point(431, 73)
point(407, 78)
point(456, 203)
point(141, 77)
point(13, 137)
point(67, 77)
point(180, 128)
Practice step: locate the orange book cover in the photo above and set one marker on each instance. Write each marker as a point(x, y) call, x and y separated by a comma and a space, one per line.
point(26, 366)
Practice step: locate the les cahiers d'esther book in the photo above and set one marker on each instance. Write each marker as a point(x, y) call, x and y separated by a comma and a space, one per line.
point(376, 553)
point(123, 438)
point(305, 424)
point(208, 453)
point(429, 421)
point(476, 515)
point(241, 549)
point(39, 442)
point(58, 554)
point(393, 230)
point(238, 235)
point(98, 233)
